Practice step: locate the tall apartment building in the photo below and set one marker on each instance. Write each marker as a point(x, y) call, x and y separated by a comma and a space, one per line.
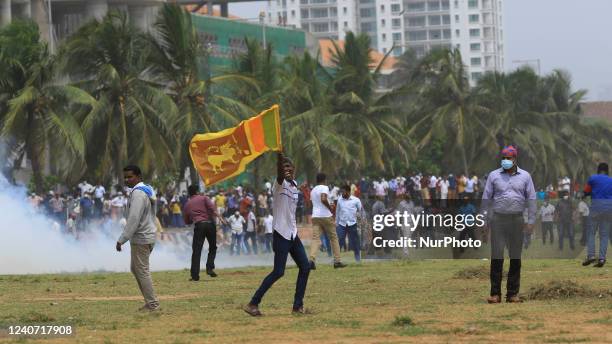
point(331, 19)
point(473, 26)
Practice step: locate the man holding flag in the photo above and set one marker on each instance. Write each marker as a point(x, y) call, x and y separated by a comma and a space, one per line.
point(225, 154)
point(285, 240)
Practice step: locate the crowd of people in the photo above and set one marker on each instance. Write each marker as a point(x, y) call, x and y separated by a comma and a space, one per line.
point(562, 209)
point(339, 211)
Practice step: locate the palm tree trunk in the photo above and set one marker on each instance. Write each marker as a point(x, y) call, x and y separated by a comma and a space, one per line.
point(464, 160)
point(194, 175)
point(33, 150)
point(35, 158)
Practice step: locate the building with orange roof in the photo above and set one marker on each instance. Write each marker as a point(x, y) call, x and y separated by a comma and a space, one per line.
point(326, 51)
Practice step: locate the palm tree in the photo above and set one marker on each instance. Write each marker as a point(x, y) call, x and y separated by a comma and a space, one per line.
point(446, 109)
point(204, 103)
point(362, 118)
point(309, 133)
point(258, 63)
point(404, 68)
point(131, 119)
point(36, 115)
point(540, 116)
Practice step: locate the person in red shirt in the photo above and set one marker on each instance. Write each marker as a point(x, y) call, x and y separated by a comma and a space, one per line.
point(245, 203)
point(202, 212)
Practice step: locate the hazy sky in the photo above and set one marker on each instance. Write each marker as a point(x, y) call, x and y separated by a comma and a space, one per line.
point(575, 35)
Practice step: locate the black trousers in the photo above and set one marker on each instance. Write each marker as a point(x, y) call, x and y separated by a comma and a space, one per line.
point(201, 231)
point(506, 232)
point(253, 246)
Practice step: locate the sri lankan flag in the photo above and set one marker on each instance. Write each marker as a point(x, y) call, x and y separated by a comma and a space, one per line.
point(225, 154)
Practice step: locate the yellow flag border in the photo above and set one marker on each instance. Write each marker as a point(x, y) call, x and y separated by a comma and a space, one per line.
point(228, 131)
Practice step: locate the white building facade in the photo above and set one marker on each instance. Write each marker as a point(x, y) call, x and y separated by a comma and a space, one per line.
point(380, 19)
point(473, 26)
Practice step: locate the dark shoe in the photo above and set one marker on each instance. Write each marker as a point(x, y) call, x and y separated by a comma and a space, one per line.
point(313, 266)
point(600, 263)
point(194, 279)
point(589, 261)
point(338, 265)
point(514, 299)
point(494, 299)
point(299, 311)
point(211, 273)
point(252, 310)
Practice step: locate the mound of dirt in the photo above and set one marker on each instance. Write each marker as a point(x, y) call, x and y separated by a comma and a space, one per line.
point(555, 290)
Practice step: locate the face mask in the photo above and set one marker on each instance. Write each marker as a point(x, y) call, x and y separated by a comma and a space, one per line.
point(565, 197)
point(506, 164)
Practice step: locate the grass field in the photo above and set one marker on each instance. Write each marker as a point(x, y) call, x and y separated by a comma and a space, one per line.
point(432, 301)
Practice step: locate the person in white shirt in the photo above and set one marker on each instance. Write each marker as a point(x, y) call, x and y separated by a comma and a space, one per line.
point(322, 221)
point(236, 223)
point(333, 195)
point(443, 183)
point(268, 187)
point(285, 240)
point(583, 211)
point(99, 191)
point(476, 188)
point(251, 226)
point(239, 190)
point(71, 225)
point(379, 189)
point(433, 182)
point(470, 187)
point(85, 187)
point(348, 210)
point(266, 222)
point(565, 184)
point(547, 215)
point(117, 206)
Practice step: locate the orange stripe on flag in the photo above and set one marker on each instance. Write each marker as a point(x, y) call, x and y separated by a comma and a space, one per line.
point(257, 133)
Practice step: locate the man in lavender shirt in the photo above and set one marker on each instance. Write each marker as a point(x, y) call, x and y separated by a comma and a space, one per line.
point(508, 191)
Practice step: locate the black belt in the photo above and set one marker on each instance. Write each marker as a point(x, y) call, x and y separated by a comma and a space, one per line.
point(207, 221)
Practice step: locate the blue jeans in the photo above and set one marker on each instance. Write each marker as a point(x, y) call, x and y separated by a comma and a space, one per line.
point(326, 244)
point(282, 248)
point(176, 220)
point(238, 242)
point(353, 238)
point(603, 223)
point(268, 242)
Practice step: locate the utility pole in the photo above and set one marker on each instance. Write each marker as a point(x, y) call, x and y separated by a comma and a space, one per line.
point(262, 20)
point(51, 42)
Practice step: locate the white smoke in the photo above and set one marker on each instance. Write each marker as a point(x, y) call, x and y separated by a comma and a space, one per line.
point(31, 243)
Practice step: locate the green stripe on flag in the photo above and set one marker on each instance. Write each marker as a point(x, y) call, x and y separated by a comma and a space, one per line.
point(269, 130)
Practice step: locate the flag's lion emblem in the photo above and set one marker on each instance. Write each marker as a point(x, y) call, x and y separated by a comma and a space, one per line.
point(217, 155)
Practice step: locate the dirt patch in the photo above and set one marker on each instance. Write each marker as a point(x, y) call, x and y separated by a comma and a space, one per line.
point(472, 272)
point(113, 298)
point(555, 290)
